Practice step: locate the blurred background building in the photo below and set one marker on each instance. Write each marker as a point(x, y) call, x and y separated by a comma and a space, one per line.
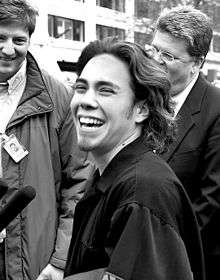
point(64, 27)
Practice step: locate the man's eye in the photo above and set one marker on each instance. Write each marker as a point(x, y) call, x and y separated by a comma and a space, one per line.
point(79, 88)
point(20, 41)
point(106, 91)
point(167, 56)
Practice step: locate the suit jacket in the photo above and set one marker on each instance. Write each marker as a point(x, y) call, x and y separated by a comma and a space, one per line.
point(195, 158)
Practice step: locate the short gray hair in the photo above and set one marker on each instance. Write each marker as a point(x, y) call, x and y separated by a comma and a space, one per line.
point(190, 25)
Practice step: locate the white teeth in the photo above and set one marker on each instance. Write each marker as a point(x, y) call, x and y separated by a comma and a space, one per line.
point(90, 121)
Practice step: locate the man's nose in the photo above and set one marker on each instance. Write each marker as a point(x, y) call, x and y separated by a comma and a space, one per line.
point(8, 48)
point(89, 99)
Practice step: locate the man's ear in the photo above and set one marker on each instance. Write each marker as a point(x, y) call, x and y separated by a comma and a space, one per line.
point(198, 64)
point(142, 111)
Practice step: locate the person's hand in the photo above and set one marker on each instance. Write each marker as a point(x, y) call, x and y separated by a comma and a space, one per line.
point(2, 235)
point(50, 272)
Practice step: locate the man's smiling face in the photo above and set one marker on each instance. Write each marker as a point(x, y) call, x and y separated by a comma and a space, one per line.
point(103, 105)
point(14, 44)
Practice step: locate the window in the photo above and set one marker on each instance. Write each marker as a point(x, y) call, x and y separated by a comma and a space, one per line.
point(142, 38)
point(59, 27)
point(141, 8)
point(147, 8)
point(216, 43)
point(216, 18)
point(107, 31)
point(117, 5)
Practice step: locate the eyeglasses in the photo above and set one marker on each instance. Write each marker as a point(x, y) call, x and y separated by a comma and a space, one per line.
point(165, 56)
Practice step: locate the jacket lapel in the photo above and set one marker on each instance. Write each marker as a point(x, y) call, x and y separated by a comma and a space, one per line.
point(185, 117)
point(184, 124)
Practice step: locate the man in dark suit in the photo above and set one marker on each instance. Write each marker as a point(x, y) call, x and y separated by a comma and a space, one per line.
point(181, 41)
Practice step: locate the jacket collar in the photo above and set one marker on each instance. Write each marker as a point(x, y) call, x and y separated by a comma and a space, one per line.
point(125, 158)
point(36, 98)
point(194, 100)
point(185, 117)
point(35, 81)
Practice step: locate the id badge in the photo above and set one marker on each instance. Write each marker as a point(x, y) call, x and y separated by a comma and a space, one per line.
point(14, 148)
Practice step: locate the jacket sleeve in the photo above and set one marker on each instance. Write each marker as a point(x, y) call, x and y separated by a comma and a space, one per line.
point(76, 169)
point(209, 202)
point(147, 247)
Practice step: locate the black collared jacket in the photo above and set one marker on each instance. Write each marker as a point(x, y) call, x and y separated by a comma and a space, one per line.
point(137, 222)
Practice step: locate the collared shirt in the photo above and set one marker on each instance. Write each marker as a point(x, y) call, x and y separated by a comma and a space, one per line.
point(9, 99)
point(180, 98)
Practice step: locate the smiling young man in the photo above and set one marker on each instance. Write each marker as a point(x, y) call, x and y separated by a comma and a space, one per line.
point(100, 130)
point(181, 42)
point(35, 114)
point(135, 221)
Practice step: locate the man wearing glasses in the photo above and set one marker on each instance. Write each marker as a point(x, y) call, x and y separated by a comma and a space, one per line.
point(181, 42)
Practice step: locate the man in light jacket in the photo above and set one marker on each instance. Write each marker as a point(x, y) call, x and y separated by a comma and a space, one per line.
point(34, 110)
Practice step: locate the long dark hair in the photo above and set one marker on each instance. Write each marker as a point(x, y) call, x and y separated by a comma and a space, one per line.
point(149, 82)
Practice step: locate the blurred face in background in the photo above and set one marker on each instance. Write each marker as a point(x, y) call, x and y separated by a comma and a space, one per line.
point(172, 53)
point(14, 44)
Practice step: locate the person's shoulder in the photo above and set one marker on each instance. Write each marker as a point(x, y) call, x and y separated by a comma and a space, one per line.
point(205, 98)
point(59, 92)
point(151, 166)
point(159, 189)
point(211, 101)
point(154, 177)
point(148, 168)
point(212, 92)
point(150, 184)
point(53, 82)
point(53, 85)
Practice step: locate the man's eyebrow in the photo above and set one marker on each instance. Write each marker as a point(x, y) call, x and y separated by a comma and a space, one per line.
point(81, 80)
point(98, 83)
point(107, 83)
